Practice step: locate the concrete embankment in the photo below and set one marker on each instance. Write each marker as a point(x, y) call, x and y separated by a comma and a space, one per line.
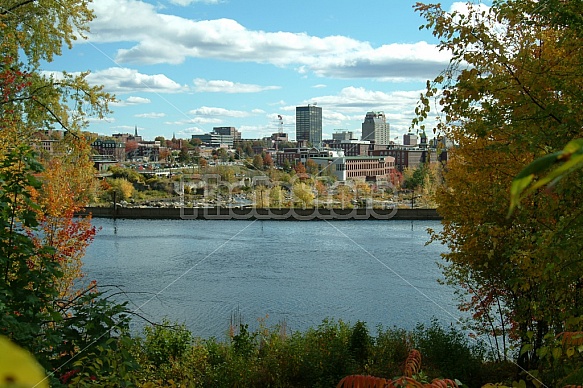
point(221, 213)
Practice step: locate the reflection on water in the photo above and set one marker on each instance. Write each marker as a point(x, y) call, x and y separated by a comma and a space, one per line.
point(301, 272)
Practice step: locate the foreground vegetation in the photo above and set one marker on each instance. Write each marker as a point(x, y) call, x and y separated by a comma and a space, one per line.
point(273, 357)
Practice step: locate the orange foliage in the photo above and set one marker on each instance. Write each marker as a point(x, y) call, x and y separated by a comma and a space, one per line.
point(68, 183)
point(300, 168)
point(571, 338)
point(413, 363)
point(412, 367)
point(360, 381)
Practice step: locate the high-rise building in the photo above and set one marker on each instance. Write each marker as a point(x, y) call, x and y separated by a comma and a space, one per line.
point(309, 124)
point(375, 128)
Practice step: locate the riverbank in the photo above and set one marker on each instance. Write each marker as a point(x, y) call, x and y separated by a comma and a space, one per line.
point(251, 213)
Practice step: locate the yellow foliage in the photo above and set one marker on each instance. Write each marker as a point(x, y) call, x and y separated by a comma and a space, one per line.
point(303, 194)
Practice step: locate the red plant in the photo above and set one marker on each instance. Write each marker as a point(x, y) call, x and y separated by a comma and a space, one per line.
point(412, 367)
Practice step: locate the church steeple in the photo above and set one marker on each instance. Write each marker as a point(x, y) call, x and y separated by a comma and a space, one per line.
point(136, 131)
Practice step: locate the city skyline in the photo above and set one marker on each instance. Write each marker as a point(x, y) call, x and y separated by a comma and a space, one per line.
point(183, 67)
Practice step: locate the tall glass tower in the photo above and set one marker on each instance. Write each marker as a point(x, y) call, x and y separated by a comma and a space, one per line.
point(309, 124)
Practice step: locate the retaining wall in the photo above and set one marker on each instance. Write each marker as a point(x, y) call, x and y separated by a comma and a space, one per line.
point(220, 213)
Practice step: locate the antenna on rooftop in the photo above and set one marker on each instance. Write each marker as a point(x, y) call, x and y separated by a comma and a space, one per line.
point(279, 130)
point(280, 119)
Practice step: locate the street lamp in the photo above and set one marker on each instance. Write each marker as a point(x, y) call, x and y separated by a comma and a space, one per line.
point(413, 198)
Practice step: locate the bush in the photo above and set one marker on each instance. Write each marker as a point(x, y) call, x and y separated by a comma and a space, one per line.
point(126, 173)
point(449, 353)
point(120, 189)
point(360, 343)
point(164, 343)
point(391, 347)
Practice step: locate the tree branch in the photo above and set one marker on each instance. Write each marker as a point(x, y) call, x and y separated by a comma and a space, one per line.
point(10, 10)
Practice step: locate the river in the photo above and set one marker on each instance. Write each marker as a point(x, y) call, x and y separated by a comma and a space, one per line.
point(201, 272)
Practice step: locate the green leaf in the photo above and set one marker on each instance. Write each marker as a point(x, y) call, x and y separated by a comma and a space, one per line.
point(567, 161)
point(526, 348)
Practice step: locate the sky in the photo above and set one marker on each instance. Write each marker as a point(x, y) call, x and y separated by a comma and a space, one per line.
point(182, 67)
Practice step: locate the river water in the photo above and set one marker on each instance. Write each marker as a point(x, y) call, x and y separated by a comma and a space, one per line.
point(201, 272)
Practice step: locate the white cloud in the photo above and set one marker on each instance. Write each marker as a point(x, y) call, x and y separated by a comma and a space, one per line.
point(221, 86)
point(392, 62)
point(161, 38)
point(151, 115)
point(257, 131)
point(107, 119)
point(218, 112)
point(132, 100)
point(124, 80)
point(352, 103)
point(196, 120)
point(190, 131)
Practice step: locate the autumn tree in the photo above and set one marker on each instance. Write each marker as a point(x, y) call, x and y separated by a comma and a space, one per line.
point(258, 162)
point(268, 160)
point(413, 178)
point(33, 33)
point(511, 94)
point(277, 196)
point(130, 147)
point(300, 168)
point(287, 166)
point(184, 155)
point(303, 194)
point(262, 196)
point(344, 195)
point(67, 186)
point(362, 191)
point(120, 189)
point(312, 167)
point(320, 188)
point(164, 154)
point(42, 305)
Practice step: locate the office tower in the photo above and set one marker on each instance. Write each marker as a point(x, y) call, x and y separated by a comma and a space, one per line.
point(375, 128)
point(309, 124)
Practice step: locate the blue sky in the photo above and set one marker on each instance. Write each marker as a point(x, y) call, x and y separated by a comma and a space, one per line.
point(185, 66)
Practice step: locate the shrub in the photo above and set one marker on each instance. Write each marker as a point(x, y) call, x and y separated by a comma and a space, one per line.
point(126, 173)
point(360, 343)
point(390, 348)
point(121, 188)
point(166, 342)
point(448, 353)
